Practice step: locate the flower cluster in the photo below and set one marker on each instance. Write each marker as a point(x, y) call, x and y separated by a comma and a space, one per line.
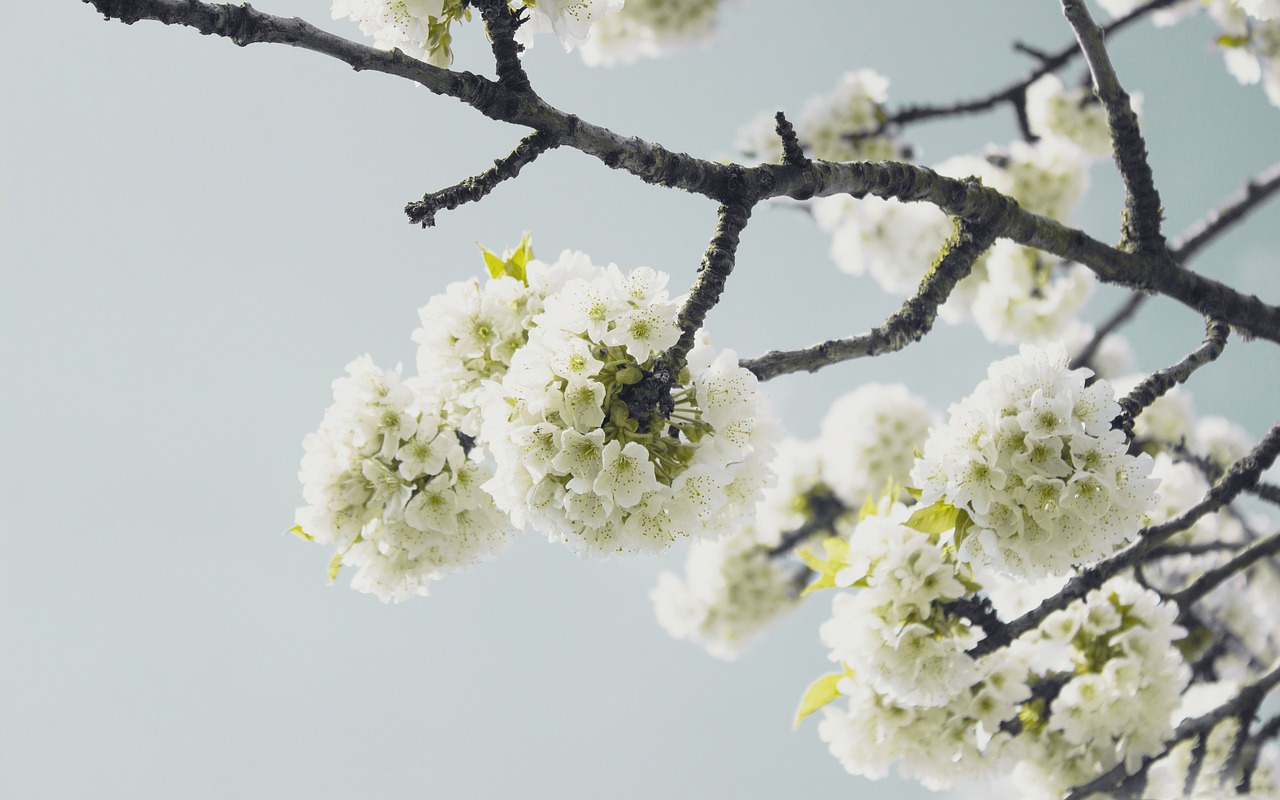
point(1118, 678)
point(588, 454)
point(869, 437)
point(846, 125)
point(731, 589)
point(650, 29)
point(570, 20)
point(393, 487)
point(419, 28)
point(1031, 459)
point(470, 333)
point(1022, 300)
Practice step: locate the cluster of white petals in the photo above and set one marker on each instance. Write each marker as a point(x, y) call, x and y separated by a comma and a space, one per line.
point(570, 20)
point(650, 29)
point(731, 589)
point(1124, 679)
point(470, 333)
point(1030, 456)
point(578, 463)
point(869, 437)
point(393, 488)
point(894, 242)
point(1025, 297)
point(419, 28)
point(1074, 115)
point(845, 125)
point(913, 694)
point(895, 634)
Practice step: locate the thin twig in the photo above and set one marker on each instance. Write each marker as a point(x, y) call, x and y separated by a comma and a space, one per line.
point(423, 211)
point(909, 324)
point(1209, 580)
point(1158, 383)
point(1049, 62)
point(1249, 197)
point(1118, 317)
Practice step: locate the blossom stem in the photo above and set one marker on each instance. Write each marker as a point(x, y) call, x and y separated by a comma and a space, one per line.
point(1161, 381)
point(423, 212)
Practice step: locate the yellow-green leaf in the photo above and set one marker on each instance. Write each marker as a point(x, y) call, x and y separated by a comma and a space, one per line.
point(511, 262)
point(334, 564)
point(492, 261)
point(934, 519)
point(1227, 40)
point(837, 558)
point(297, 530)
point(819, 693)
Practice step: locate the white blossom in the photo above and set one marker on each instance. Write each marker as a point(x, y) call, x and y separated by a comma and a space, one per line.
point(650, 29)
point(869, 437)
point(1031, 458)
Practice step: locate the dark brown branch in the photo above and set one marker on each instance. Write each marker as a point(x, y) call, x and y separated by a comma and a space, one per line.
point(1240, 476)
point(791, 152)
point(909, 324)
point(1188, 244)
point(1160, 382)
point(500, 22)
point(423, 211)
point(1049, 62)
point(1118, 317)
point(1205, 230)
point(1253, 748)
point(653, 391)
point(824, 509)
point(1211, 579)
point(1140, 226)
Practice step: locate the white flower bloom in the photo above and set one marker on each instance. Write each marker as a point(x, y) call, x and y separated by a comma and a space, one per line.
point(650, 29)
point(844, 125)
point(869, 437)
point(1022, 299)
point(390, 484)
point(570, 20)
point(1030, 458)
point(730, 591)
point(687, 464)
point(417, 27)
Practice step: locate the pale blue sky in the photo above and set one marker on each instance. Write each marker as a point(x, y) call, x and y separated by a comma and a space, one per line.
point(196, 238)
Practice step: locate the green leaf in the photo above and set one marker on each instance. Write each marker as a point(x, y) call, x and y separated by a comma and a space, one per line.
point(334, 564)
point(934, 519)
point(297, 530)
point(628, 375)
point(837, 558)
point(963, 523)
point(512, 262)
point(1227, 40)
point(492, 261)
point(819, 693)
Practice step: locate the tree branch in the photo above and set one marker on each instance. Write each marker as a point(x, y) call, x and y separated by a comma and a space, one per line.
point(909, 324)
point(1161, 381)
point(1049, 62)
point(1250, 196)
point(1210, 580)
point(472, 189)
point(731, 183)
point(1140, 227)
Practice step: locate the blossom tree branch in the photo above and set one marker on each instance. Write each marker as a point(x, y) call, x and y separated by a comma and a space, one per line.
point(1188, 244)
point(1211, 579)
point(423, 212)
point(728, 183)
point(1140, 228)
point(1015, 92)
point(909, 324)
point(1158, 383)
